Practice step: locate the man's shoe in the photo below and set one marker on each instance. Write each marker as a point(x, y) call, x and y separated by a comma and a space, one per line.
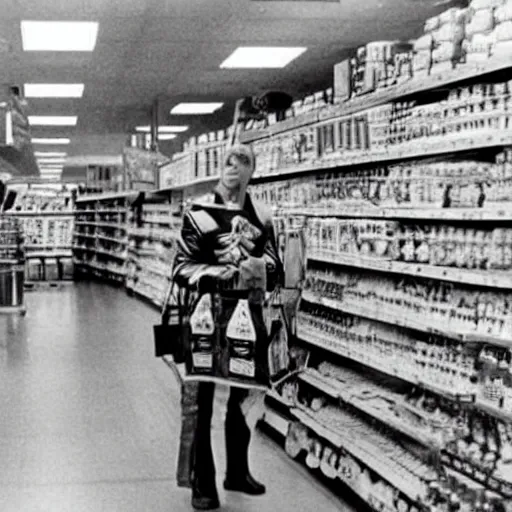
point(205, 503)
point(205, 500)
point(246, 484)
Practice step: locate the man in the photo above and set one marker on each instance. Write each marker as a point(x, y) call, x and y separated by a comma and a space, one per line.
point(227, 243)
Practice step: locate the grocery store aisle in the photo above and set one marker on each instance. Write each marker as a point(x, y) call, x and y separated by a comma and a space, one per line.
point(90, 418)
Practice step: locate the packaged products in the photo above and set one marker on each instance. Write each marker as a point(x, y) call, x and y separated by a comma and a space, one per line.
point(11, 239)
point(415, 301)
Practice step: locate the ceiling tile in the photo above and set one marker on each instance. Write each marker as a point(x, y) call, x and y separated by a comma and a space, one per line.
point(108, 61)
point(207, 9)
point(120, 28)
point(158, 58)
point(49, 67)
point(302, 10)
point(166, 29)
point(11, 33)
point(10, 9)
point(106, 8)
point(54, 10)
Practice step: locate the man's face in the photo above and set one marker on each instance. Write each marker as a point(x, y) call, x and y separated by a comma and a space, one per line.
point(237, 172)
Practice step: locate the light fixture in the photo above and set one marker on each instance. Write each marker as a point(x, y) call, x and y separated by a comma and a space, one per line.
point(49, 153)
point(195, 108)
point(52, 120)
point(51, 160)
point(50, 140)
point(163, 129)
point(262, 57)
point(51, 176)
point(54, 90)
point(166, 136)
point(59, 36)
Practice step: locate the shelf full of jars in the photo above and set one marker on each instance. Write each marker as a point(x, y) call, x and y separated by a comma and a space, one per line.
point(153, 236)
point(456, 45)
point(407, 278)
point(198, 165)
point(12, 259)
point(100, 245)
point(405, 313)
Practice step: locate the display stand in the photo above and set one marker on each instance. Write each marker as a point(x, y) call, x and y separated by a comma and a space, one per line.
point(100, 245)
point(153, 236)
point(11, 266)
point(46, 215)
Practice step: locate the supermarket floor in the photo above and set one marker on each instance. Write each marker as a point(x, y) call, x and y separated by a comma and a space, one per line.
point(90, 419)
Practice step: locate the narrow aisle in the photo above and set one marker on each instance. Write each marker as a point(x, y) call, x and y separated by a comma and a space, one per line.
point(90, 419)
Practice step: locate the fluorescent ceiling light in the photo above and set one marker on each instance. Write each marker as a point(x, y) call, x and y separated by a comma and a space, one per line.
point(195, 108)
point(49, 140)
point(49, 153)
point(166, 136)
point(54, 90)
point(51, 160)
point(59, 36)
point(52, 120)
point(163, 129)
point(172, 129)
point(262, 57)
point(50, 170)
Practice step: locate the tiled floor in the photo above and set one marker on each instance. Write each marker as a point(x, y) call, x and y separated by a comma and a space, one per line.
point(89, 418)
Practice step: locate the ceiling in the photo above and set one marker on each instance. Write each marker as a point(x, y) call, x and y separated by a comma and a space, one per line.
point(172, 49)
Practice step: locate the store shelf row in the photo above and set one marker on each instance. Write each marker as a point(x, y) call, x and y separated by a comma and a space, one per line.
point(424, 325)
point(157, 271)
point(428, 147)
point(417, 149)
point(282, 425)
point(498, 214)
point(42, 213)
point(54, 253)
point(337, 391)
point(110, 225)
point(103, 237)
point(486, 278)
point(189, 184)
point(109, 270)
point(374, 99)
point(101, 211)
point(371, 456)
point(106, 197)
point(157, 235)
point(48, 246)
point(334, 346)
point(98, 250)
